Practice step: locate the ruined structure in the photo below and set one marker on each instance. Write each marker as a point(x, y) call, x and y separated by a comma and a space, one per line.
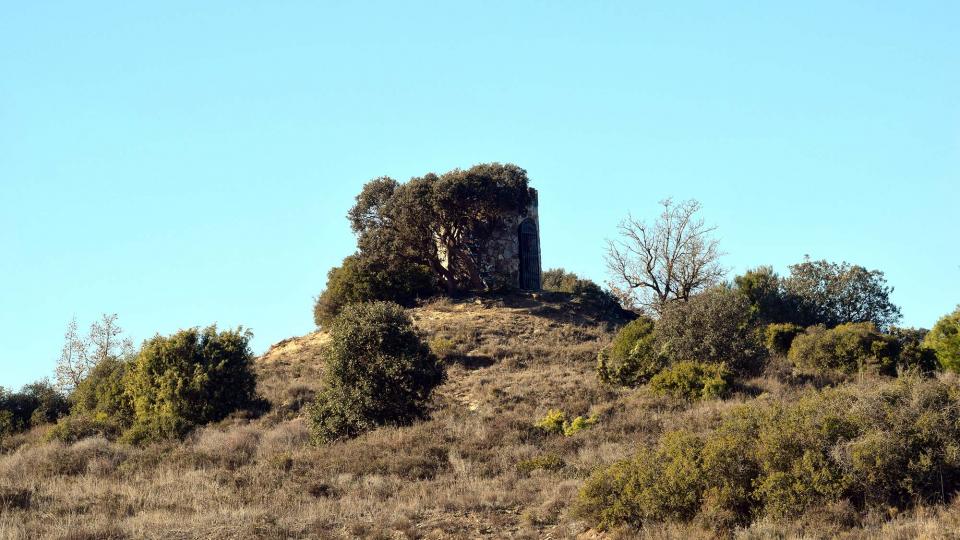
point(512, 257)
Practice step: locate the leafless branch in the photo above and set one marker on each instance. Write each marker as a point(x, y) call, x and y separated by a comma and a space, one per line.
point(670, 259)
point(79, 355)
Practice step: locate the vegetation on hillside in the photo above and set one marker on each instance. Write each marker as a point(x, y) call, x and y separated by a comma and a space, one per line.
point(848, 450)
point(36, 404)
point(477, 465)
point(761, 406)
point(944, 340)
point(378, 371)
point(172, 385)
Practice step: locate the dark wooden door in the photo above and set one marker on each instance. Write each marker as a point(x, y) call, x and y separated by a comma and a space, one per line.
point(529, 257)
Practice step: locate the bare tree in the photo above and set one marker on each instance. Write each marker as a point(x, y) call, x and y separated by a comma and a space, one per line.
point(74, 362)
point(106, 339)
point(670, 259)
point(80, 355)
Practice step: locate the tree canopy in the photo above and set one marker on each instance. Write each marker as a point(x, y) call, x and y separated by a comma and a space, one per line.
point(820, 292)
point(944, 339)
point(835, 293)
point(427, 235)
point(443, 222)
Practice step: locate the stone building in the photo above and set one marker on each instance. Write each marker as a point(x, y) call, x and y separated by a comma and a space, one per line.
point(512, 257)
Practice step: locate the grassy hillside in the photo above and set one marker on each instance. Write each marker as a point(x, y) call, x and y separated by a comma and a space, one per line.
point(477, 468)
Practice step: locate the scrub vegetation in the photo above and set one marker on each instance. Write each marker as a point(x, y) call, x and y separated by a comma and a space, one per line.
point(494, 453)
point(755, 407)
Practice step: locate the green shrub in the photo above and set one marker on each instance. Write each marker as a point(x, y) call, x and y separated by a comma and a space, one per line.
point(363, 278)
point(595, 295)
point(103, 392)
point(664, 484)
point(442, 347)
point(714, 326)
point(50, 403)
point(944, 339)
point(912, 354)
point(631, 359)
point(794, 453)
point(546, 462)
point(378, 371)
point(890, 446)
point(76, 426)
point(552, 422)
point(729, 469)
point(35, 404)
point(908, 448)
point(768, 298)
point(7, 425)
point(188, 379)
point(848, 348)
point(558, 280)
point(101, 404)
point(779, 337)
point(557, 422)
point(579, 424)
point(693, 381)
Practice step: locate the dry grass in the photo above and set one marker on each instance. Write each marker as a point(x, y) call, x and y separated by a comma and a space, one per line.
point(455, 475)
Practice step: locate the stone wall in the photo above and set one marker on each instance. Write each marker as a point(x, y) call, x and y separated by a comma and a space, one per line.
point(500, 268)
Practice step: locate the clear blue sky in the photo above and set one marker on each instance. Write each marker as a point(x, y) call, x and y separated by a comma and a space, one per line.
point(184, 163)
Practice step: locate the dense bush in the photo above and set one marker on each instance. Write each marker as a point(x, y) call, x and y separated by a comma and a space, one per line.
point(378, 371)
point(888, 447)
point(714, 326)
point(692, 381)
point(190, 378)
point(559, 280)
point(944, 340)
point(631, 359)
point(48, 403)
point(101, 404)
point(769, 300)
point(364, 278)
point(75, 427)
point(7, 425)
point(848, 348)
point(595, 295)
point(911, 352)
point(663, 484)
point(557, 422)
point(103, 391)
point(779, 336)
point(35, 404)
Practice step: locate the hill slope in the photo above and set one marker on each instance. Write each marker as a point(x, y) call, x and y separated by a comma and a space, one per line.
point(477, 468)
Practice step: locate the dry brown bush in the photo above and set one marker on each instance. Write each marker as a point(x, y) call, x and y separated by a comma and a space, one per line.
point(229, 449)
